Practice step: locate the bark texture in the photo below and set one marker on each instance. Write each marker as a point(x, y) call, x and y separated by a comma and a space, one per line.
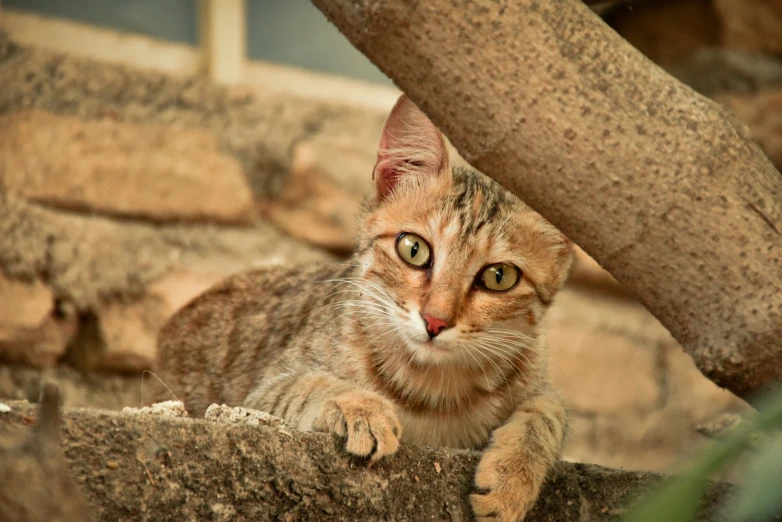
point(665, 188)
point(140, 467)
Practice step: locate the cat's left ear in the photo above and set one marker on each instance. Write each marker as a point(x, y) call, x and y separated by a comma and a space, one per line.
point(410, 144)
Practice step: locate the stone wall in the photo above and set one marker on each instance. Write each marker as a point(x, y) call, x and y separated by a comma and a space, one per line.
point(125, 193)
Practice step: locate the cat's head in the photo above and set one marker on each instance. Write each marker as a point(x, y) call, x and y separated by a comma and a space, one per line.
point(456, 258)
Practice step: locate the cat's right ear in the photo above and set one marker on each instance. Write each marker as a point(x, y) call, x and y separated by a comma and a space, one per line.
point(410, 144)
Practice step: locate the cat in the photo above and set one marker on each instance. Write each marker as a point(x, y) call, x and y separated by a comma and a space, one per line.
point(432, 334)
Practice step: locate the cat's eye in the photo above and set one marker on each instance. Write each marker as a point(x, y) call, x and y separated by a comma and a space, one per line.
point(499, 277)
point(414, 250)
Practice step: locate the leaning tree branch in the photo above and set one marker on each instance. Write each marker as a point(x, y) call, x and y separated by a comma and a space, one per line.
point(663, 187)
point(149, 468)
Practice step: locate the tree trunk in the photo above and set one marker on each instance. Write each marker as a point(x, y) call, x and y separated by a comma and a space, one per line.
point(142, 467)
point(663, 187)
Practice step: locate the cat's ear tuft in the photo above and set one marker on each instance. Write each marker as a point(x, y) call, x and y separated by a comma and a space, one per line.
point(410, 144)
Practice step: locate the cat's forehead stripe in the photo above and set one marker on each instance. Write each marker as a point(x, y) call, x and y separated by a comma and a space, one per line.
point(478, 203)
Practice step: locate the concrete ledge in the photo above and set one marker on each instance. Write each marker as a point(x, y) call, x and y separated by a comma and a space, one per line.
point(139, 467)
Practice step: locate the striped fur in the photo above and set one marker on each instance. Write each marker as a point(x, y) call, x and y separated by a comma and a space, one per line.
point(343, 347)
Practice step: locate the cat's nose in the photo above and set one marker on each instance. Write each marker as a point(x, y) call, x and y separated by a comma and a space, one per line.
point(434, 325)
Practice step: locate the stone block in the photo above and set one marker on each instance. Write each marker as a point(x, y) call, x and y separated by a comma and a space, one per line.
point(155, 172)
point(122, 336)
point(690, 392)
point(32, 332)
point(603, 373)
point(323, 192)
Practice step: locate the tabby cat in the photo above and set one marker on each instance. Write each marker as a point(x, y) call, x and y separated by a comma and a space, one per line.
point(431, 335)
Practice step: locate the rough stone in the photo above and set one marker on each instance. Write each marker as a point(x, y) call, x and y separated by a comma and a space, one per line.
point(167, 408)
point(144, 467)
point(689, 392)
point(656, 441)
point(118, 281)
point(238, 415)
point(156, 172)
point(32, 331)
point(584, 309)
point(322, 196)
point(88, 260)
point(77, 389)
point(604, 373)
point(177, 289)
point(121, 335)
point(129, 335)
point(636, 398)
point(257, 128)
point(127, 331)
point(24, 304)
point(586, 272)
point(35, 482)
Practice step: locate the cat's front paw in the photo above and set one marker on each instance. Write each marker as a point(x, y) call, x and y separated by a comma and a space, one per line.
point(368, 420)
point(510, 487)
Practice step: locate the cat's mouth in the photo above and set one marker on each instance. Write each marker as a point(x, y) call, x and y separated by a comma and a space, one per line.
point(425, 349)
point(434, 345)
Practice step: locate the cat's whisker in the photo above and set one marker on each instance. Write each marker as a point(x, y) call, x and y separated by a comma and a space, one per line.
point(504, 348)
point(499, 352)
point(355, 304)
point(365, 315)
point(370, 305)
point(525, 344)
point(353, 281)
point(335, 293)
point(513, 334)
point(359, 280)
point(510, 348)
point(497, 367)
point(488, 382)
point(511, 344)
point(518, 351)
point(341, 282)
point(329, 294)
point(378, 288)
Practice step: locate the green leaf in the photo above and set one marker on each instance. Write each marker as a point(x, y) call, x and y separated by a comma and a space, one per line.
point(760, 498)
point(677, 500)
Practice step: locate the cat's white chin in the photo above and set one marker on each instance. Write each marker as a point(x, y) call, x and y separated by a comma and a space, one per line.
point(433, 352)
point(429, 353)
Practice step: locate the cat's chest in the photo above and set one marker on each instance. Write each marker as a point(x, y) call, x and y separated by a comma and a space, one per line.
point(468, 428)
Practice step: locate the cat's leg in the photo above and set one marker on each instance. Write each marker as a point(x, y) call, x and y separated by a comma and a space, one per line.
point(521, 452)
point(318, 401)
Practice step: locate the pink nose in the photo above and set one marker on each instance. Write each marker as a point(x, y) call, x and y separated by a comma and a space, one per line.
point(434, 325)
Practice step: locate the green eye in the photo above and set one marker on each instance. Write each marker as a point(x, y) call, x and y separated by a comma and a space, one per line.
point(413, 250)
point(500, 276)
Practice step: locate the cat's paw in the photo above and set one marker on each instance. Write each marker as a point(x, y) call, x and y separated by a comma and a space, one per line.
point(367, 420)
point(509, 490)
